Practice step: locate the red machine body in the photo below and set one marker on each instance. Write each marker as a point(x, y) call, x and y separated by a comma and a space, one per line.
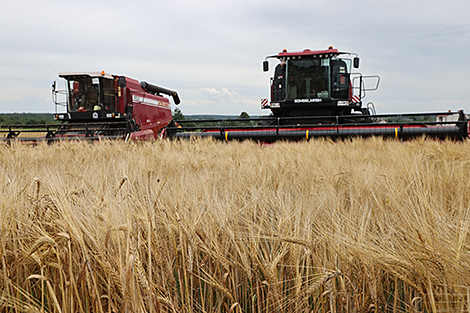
point(98, 98)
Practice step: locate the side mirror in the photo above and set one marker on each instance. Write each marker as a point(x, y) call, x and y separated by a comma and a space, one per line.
point(54, 86)
point(356, 62)
point(265, 66)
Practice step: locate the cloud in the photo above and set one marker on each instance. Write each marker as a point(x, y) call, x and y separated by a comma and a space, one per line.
point(224, 94)
point(220, 101)
point(211, 51)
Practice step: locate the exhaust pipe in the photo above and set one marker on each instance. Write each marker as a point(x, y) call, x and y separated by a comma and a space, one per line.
point(157, 89)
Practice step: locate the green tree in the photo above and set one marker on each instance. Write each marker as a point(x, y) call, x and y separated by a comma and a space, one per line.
point(244, 115)
point(178, 115)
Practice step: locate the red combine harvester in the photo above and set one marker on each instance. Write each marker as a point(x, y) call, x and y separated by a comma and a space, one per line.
point(100, 105)
point(315, 94)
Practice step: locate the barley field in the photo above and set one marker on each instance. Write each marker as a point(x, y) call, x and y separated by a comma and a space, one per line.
point(204, 226)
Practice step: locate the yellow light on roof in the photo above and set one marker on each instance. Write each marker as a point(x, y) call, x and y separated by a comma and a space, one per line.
point(102, 73)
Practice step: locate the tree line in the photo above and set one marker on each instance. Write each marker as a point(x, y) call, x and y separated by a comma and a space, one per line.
point(27, 118)
point(198, 121)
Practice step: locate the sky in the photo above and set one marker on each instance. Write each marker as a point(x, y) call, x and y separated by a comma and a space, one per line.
point(211, 52)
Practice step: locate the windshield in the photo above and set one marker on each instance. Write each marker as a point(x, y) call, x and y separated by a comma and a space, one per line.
point(90, 94)
point(308, 78)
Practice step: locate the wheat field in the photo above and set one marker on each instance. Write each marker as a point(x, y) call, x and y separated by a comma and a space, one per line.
point(205, 226)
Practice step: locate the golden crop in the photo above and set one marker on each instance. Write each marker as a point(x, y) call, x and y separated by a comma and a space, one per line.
point(203, 226)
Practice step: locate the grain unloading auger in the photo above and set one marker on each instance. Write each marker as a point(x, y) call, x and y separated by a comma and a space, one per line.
point(99, 105)
point(315, 94)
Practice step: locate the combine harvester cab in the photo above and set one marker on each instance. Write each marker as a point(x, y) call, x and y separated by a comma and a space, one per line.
point(99, 105)
point(316, 94)
point(318, 84)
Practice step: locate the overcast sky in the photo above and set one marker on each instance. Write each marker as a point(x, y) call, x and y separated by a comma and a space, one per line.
point(211, 52)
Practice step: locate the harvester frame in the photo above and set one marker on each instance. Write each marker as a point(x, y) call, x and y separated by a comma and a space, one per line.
point(316, 94)
point(100, 105)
